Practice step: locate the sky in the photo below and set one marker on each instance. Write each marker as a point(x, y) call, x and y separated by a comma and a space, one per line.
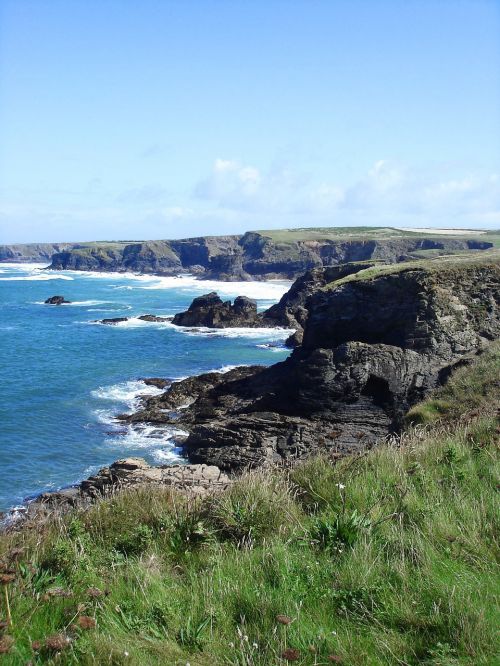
point(134, 119)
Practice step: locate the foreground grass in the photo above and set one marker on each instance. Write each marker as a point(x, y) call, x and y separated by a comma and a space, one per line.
point(387, 558)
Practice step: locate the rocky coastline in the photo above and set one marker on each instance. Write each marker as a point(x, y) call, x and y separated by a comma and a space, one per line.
point(373, 340)
point(251, 256)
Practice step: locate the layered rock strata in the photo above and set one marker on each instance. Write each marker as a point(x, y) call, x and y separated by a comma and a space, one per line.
point(251, 256)
point(374, 344)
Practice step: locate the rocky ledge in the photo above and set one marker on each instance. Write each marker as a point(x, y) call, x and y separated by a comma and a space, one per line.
point(190, 480)
point(375, 342)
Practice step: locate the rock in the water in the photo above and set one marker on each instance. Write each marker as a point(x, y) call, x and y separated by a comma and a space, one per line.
point(211, 311)
point(154, 318)
point(159, 382)
point(56, 300)
point(112, 321)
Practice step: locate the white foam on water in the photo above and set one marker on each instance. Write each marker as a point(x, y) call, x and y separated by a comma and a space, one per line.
point(36, 278)
point(24, 267)
point(271, 290)
point(127, 393)
point(255, 333)
point(273, 348)
point(79, 303)
point(264, 333)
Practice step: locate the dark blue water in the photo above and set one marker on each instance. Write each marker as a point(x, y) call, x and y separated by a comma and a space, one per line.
point(64, 378)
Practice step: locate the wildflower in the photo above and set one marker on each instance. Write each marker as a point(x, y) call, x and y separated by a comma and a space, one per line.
point(86, 622)
point(57, 642)
point(6, 643)
point(283, 619)
point(125, 654)
point(15, 554)
point(231, 645)
point(290, 654)
point(255, 646)
point(340, 486)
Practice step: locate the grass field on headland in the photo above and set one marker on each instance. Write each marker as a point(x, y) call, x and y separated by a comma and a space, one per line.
point(386, 558)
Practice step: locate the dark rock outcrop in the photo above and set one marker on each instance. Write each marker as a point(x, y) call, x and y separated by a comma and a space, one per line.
point(154, 318)
point(56, 300)
point(112, 321)
point(290, 312)
point(158, 382)
point(374, 344)
point(211, 311)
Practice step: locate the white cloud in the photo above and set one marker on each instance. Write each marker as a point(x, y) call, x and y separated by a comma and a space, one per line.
point(388, 193)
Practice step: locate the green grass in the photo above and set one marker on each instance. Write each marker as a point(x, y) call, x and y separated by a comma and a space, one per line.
point(366, 233)
point(385, 558)
point(452, 262)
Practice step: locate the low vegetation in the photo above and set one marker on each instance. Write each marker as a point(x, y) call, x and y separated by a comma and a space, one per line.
point(365, 233)
point(384, 558)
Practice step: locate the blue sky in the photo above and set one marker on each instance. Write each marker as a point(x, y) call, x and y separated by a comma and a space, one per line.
point(161, 119)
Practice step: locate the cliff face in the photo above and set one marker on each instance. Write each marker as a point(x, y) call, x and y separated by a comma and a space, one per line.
point(34, 252)
point(251, 256)
point(375, 343)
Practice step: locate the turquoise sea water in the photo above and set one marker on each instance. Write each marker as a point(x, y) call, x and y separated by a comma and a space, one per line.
point(63, 377)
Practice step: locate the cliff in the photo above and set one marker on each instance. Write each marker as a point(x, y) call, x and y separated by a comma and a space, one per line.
point(375, 343)
point(34, 252)
point(260, 255)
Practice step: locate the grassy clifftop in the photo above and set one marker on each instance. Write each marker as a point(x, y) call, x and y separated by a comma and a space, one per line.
point(385, 558)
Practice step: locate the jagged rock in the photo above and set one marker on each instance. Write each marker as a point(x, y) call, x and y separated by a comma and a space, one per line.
point(291, 311)
point(211, 311)
point(374, 344)
point(56, 300)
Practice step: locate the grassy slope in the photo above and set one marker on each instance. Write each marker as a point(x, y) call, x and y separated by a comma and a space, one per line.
point(364, 233)
point(452, 262)
point(387, 558)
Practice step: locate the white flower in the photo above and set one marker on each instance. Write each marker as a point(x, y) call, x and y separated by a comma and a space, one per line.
point(340, 486)
point(255, 646)
point(231, 644)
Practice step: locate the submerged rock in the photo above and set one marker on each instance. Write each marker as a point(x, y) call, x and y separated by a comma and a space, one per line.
point(56, 300)
point(154, 318)
point(112, 321)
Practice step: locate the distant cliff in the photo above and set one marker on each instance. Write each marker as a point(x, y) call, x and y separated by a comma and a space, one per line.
point(253, 255)
point(283, 254)
point(33, 252)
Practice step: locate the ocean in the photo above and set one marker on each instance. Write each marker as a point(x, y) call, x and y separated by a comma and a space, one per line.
point(64, 377)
